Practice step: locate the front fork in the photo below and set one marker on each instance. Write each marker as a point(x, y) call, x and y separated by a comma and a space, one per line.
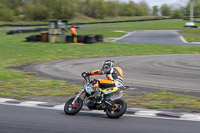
point(77, 96)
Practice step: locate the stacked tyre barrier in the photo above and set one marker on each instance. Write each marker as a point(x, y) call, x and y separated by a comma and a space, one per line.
point(34, 38)
point(25, 31)
point(88, 39)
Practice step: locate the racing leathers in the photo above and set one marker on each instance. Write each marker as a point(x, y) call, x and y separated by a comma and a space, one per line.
point(114, 78)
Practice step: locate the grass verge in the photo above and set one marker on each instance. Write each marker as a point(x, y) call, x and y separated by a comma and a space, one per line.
point(175, 24)
point(165, 100)
point(191, 34)
point(85, 20)
point(14, 52)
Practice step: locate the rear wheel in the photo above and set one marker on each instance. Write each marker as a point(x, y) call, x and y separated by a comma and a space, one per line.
point(72, 109)
point(117, 109)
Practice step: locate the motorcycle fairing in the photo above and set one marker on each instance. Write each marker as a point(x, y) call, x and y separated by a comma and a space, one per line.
point(89, 89)
point(109, 90)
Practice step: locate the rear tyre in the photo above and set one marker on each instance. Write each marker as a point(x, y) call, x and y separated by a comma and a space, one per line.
point(117, 110)
point(70, 109)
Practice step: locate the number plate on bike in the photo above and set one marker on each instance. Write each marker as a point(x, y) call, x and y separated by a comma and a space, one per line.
point(89, 89)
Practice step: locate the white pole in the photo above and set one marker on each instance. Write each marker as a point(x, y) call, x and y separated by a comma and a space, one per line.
point(191, 11)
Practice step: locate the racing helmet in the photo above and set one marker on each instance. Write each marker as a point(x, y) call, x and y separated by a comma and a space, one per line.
point(107, 66)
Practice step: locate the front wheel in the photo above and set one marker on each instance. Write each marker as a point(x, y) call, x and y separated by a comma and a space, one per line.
point(117, 109)
point(70, 109)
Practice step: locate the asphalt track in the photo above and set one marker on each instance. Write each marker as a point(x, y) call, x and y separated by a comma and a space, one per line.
point(173, 72)
point(171, 37)
point(15, 119)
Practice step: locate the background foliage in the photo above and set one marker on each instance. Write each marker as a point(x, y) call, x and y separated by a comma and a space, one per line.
point(34, 10)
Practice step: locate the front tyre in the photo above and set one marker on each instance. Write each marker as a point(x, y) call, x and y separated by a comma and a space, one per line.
point(70, 109)
point(117, 110)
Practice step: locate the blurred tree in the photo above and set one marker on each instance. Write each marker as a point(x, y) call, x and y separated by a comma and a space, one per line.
point(99, 9)
point(196, 8)
point(64, 9)
point(36, 12)
point(12, 4)
point(112, 8)
point(143, 9)
point(127, 9)
point(165, 10)
point(177, 13)
point(155, 10)
point(57, 9)
point(6, 14)
point(94, 8)
point(86, 7)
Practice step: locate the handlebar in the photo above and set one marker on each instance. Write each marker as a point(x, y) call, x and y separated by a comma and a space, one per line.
point(86, 77)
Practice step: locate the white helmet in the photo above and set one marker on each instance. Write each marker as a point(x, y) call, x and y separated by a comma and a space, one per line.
point(107, 66)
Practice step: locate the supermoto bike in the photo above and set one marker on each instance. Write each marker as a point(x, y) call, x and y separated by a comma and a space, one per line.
point(107, 100)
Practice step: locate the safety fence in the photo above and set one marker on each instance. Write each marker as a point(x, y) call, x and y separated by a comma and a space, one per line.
point(26, 31)
point(78, 23)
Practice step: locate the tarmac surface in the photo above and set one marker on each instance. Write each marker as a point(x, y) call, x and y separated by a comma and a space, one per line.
point(179, 72)
point(171, 37)
point(18, 119)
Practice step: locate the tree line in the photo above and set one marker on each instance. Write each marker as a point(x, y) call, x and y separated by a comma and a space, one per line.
point(166, 10)
point(39, 10)
point(67, 9)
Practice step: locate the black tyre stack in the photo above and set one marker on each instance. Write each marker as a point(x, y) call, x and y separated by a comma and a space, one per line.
point(88, 39)
point(68, 39)
point(26, 31)
point(34, 38)
point(81, 38)
point(99, 38)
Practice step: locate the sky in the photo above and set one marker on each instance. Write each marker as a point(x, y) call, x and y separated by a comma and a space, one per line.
point(151, 3)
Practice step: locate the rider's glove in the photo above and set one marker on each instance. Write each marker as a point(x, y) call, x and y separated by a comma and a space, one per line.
point(86, 73)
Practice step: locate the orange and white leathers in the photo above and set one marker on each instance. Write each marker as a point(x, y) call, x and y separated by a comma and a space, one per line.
point(114, 78)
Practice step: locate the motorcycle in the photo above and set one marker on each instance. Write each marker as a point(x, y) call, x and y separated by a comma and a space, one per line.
point(107, 100)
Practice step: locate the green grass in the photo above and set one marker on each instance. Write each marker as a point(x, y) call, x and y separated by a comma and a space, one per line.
point(116, 19)
point(14, 52)
point(85, 21)
point(174, 24)
point(191, 35)
point(24, 22)
point(163, 100)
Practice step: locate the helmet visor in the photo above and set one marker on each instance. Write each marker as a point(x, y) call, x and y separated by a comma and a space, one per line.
point(106, 67)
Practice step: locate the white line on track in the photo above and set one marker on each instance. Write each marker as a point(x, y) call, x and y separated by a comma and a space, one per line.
point(183, 39)
point(124, 36)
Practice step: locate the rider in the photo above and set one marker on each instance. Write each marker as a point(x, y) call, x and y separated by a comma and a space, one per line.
point(114, 76)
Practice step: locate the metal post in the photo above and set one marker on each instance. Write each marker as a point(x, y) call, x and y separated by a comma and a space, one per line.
point(191, 23)
point(191, 11)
